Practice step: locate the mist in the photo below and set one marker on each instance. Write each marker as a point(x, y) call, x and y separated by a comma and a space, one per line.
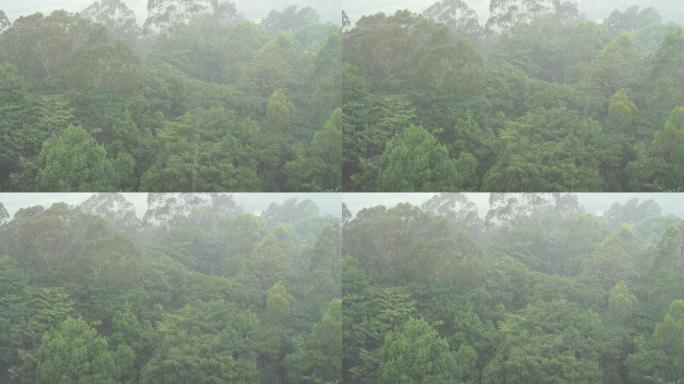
point(255, 203)
point(595, 203)
point(672, 10)
point(329, 10)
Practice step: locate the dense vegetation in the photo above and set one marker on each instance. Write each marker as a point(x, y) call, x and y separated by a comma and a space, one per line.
point(197, 292)
point(536, 292)
point(197, 99)
point(538, 99)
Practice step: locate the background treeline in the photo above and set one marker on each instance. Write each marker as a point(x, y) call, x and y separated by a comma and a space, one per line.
point(536, 292)
point(538, 99)
point(197, 292)
point(197, 99)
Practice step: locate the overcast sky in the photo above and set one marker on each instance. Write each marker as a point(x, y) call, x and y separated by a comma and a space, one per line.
point(251, 9)
point(672, 10)
point(671, 203)
point(329, 203)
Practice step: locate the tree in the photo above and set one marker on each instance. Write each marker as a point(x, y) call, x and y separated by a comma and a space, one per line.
point(668, 146)
point(26, 121)
point(274, 67)
point(205, 342)
point(415, 161)
point(614, 68)
point(549, 150)
point(660, 359)
point(279, 113)
point(613, 259)
point(115, 209)
point(62, 244)
point(4, 22)
point(621, 113)
point(542, 344)
point(115, 16)
point(74, 352)
point(75, 162)
point(660, 168)
point(621, 302)
point(289, 19)
point(665, 77)
point(4, 215)
point(316, 358)
point(318, 167)
point(14, 289)
point(269, 261)
point(279, 304)
point(206, 150)
point(414, 353)
point(65, 46)
point(167, 16)
point(457, 15)
point(505, 15)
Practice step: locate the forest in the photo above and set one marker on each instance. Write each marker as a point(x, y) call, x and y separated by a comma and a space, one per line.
point(537, 290)
point(198, 290)
point(537, 98)
point(197, 98)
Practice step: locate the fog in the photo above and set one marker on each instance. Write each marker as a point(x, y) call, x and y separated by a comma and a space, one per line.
point(672, 10)
point(250, 9)
point(596, 203)
point(328, 203)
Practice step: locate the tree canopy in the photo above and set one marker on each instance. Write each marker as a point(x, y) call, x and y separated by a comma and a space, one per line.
point(538, 98)
point(196, 98)
point(537, 290)
point(198, 289)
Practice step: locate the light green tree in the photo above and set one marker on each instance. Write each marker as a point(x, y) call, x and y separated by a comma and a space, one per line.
point(415, 354)
point(75, 162)
point(75, 353)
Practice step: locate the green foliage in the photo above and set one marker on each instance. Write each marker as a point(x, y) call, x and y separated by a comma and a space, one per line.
point(171, 109)
point(549, 150)
point(660, 359)
point(209, 341)
point(197, 291)
point(205, 150)
point(74, 352)
point(621, 302)
point(316, 358)
point(414, 353)
point(279, 304)
point(539, 99)
point(75, 162)
point(537, 292)
point(543, 344)
point(415, 161)
point(318, 167)
point(661, 167)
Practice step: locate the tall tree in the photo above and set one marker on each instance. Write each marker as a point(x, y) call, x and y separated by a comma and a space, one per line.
point(414, 353)
point(166, 16)
point(75, 352)
point(415, 161)
point(75, 162)
point(115, 16)
point(4, 22)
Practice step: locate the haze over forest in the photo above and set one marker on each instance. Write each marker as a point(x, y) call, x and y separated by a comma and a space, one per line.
point(250, 9)
point(672, 10)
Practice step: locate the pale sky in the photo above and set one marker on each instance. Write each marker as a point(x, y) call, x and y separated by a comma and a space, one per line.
point(251, 9)
point(670, 203)
point(672, 10)
point(329, 203)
